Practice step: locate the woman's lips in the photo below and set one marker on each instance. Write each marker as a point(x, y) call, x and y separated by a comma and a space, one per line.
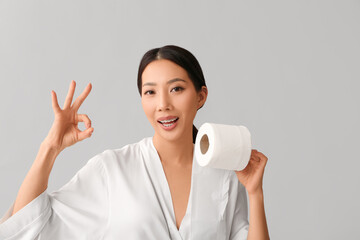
point(169, 125)
point(162, 119)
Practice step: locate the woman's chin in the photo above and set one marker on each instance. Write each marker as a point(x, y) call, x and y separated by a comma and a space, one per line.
point(169, 136)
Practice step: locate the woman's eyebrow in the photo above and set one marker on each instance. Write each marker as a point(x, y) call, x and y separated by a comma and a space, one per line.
point(168, 82)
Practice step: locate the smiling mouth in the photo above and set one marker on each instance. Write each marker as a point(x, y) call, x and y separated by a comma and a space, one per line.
point(168, 123)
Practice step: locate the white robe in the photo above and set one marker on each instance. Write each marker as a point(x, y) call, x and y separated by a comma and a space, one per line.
point(123, 194)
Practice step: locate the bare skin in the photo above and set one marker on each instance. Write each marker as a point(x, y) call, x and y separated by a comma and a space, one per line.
point(174, 147)
point(252, 177)
point(63, 133)
point(163, 98)
point(179, 180)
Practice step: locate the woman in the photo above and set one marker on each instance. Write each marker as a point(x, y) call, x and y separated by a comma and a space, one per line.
point(152, 189)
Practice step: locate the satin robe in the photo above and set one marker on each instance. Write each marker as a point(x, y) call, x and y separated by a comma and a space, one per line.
point(123, 194)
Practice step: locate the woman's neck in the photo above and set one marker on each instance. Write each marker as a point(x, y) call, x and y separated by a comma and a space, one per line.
point(178, 153)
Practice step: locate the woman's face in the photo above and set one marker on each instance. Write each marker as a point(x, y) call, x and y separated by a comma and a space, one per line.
point(169, 94)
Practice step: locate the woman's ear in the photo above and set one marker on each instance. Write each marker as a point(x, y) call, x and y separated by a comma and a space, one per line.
point(202, 96)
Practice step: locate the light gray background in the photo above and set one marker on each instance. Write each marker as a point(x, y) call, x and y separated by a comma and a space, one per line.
point(288, 70)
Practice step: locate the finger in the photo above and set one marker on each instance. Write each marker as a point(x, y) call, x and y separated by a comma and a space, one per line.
point(84, 118)
point(254, 155)
point(263, 158)
point(262, 155)
point(55, 104)
point(80, 99)
point(254, 152)
point(70, 94)
point(254, 158)
point(85, 134)
point(258, 154)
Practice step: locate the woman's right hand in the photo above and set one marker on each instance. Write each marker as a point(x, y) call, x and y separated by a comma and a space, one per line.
point(64, 131)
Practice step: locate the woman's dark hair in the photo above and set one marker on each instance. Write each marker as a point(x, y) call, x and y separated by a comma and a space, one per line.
point(179, 56)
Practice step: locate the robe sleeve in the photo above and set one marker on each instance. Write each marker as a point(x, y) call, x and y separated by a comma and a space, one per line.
point(240, 223)
point(78, 210)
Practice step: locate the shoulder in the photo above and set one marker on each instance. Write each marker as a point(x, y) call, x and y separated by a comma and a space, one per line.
point(120, 157)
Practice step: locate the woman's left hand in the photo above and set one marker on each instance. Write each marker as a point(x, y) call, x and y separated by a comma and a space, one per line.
point(252, 175)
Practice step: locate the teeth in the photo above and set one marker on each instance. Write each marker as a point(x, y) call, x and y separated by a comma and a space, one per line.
point(170, 120)
point(168, 125)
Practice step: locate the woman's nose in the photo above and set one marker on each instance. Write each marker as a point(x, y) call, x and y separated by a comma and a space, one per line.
point(163, 103)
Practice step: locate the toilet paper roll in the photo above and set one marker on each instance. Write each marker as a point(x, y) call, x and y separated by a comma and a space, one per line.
point(223, 146)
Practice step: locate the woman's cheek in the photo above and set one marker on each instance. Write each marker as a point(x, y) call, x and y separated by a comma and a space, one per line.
point(147, 109)
point(190, 104)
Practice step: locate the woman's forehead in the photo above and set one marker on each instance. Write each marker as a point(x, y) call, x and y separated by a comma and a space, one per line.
point(162, 71)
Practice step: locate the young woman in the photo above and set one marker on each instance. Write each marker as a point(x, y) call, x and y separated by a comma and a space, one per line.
point(152, 189)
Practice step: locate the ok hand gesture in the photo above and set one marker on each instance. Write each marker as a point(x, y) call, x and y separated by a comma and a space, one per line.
point(64, 131)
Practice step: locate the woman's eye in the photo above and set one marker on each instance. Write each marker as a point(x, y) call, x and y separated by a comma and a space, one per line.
point(177, 89)
point(148, 92)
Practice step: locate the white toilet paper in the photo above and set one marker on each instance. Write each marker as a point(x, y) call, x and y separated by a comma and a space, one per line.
point(223, 146)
